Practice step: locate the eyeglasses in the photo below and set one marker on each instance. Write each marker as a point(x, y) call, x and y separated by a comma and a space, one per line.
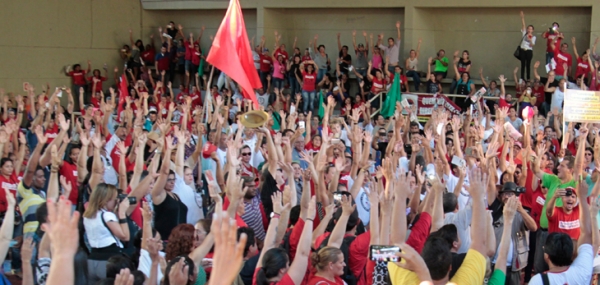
point(246, 154)
point(588, 154)
point(171, 180)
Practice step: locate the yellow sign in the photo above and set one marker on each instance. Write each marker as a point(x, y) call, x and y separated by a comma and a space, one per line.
point(581, 106)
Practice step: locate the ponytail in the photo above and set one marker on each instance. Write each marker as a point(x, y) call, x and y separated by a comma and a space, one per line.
point(273, 261)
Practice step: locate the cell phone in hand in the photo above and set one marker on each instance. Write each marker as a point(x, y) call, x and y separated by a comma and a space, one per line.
point(301, 125)
point(384, 253)
point(458, 161)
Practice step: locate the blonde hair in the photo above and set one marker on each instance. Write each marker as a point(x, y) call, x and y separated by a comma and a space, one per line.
point(321, 259)
point(99, 198)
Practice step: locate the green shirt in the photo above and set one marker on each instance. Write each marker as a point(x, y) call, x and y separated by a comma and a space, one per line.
point(552, 182)
point(439, 67)
point(497, 278)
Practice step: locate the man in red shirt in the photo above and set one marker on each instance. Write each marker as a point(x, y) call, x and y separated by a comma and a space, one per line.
point(564, 219)
point(96, 80)
point(78, 75)
point(265, 66)
point(561, 56)
point(550, 36)
point(163, 58)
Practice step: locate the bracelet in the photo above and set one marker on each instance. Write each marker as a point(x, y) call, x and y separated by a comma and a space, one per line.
point(122, 221)
point(312, 220)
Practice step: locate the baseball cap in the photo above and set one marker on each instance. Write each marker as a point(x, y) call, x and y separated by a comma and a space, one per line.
point(152, 109)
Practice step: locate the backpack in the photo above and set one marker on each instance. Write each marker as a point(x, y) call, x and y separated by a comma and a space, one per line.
point(348, 276)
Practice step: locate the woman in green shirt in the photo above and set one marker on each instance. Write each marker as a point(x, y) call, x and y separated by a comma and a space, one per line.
point(441, 65)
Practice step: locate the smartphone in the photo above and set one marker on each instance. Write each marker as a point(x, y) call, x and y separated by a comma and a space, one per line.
point(337, 197)
point(458, 161)
point(301, 124)
point(334, 141)
point(384, 253)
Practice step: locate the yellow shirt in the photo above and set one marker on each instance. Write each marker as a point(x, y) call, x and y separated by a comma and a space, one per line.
point(471, 272)
point(29, 201)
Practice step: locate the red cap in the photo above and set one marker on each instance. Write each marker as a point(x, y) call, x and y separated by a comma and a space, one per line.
point(208, 149)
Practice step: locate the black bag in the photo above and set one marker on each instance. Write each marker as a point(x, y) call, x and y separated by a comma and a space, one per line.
point(517, 53)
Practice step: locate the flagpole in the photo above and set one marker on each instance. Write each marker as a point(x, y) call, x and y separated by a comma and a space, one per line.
point(208, 96)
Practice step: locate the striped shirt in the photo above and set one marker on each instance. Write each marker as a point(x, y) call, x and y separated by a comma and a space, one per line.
point(29, 200)
point(253, 217)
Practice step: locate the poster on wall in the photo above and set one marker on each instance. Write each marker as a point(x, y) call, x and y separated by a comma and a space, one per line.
point(581, 106)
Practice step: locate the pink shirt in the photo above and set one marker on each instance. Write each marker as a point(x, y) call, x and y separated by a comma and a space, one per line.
point(377, 61)
point(278, 70)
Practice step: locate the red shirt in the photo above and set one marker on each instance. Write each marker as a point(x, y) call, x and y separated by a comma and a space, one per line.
point(162, 62)
point(285, 280)
point(148, 56)
point(537, 204)
point(265, 63)
point(189, 49)
point(526, 197)
point(583, 67)
point(136, 214)
point(11, 182)
point(98, 85)
point(78, 77)
point(560, 58)
point(539, 95)
point(115, 154)
point(316, 280)
point(310, 146)
point(309, 80)
point(306, 58)
point(419, 232)
point(69, 171)
point(196, 57)
point(52, 133)
point(196, 99)
point(549, 39)
point(377, 85)
point(284, 54)
point(561, 222)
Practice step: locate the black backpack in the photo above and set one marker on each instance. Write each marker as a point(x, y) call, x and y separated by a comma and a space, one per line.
point(348, 276)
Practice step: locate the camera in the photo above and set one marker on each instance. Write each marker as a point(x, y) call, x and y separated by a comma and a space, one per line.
point(569, 192)
point(519, 190)
point(121, 197)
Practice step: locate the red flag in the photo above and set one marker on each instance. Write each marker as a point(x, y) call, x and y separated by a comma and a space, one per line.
point(123, 93)
point(231, 52)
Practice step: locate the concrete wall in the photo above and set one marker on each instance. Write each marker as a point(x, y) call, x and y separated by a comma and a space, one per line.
point(40, 37)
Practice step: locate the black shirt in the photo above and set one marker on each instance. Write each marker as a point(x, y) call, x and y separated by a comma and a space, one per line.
point(548, 95)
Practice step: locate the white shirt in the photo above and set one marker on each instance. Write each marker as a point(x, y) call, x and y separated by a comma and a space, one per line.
point(363, 206)
point(557, 99)
point(145, 264)
point(98, 235)
point(580, 271)
point(463, 197)
point(110, 175)
point(256, 57)
point(462, 221)
point(525, 44)
point(190, 198)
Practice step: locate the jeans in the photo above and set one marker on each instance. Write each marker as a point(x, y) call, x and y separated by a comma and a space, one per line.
point(391, 68)
point(362, 72)
point(294, 87)
point(278, 83)
point(453, 86)
point(549, 57)
point(526, 56)
point(263, 79)
point(321, 74)
point(416, 79)
point(308, 97)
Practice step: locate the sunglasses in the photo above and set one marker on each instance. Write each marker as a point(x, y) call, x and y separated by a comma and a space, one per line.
point(246, 154)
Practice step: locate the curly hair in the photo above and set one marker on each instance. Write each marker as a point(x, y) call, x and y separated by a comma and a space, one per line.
point(181, 241)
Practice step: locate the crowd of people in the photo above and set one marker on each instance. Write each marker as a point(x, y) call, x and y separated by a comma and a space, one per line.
point(152, 186)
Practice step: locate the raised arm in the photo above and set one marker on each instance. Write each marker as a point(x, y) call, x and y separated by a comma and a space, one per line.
point(523, 26)
point(337, 235)
point(477, 182)
point(573, 41)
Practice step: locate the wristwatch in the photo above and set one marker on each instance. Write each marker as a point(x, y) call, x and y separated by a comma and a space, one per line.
point(275, 215)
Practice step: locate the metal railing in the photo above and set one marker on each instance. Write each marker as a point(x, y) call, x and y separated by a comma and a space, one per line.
point(380, 97)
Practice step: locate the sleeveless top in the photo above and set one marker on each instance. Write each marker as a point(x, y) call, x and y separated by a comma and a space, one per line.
point(413, 64)
point(170, 213)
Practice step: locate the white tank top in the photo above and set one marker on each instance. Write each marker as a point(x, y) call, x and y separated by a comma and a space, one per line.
point(413, 64)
